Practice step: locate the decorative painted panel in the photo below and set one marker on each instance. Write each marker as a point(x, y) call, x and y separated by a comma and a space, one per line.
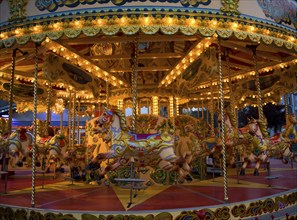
point(53, 5)
point(281, 11)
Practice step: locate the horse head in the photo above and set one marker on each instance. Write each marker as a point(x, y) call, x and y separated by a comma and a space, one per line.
point(103, 122)
point(292, 119)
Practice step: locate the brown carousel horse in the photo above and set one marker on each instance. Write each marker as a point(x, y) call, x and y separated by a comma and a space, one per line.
point(256, 148)
point(143, 149)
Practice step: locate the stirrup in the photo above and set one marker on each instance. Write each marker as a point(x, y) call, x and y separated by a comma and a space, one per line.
point(242, 172)
point(256, 172)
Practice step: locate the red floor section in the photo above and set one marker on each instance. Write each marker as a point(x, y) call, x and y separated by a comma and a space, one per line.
point(64, 196)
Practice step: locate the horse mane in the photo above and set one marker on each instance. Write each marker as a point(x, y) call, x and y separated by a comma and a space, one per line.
point(290, 119)
point(122, 118)
point(232, 119)
point(263, 127)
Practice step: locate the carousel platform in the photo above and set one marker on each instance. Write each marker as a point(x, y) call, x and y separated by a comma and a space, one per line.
point(249, 197)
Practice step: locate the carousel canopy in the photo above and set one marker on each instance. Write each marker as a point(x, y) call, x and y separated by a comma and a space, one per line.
point(91, 49)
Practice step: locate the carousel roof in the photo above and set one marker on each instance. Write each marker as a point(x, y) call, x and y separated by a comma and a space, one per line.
point(90, 55)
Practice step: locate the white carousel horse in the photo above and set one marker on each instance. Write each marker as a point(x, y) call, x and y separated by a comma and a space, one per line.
point(257, 147)
point(55, 150)
point(143, 148)
point(18, 145)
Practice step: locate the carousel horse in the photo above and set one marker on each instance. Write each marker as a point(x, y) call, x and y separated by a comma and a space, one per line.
point(55, 151)
point(76, 160)
point(287, 149)
point(233, 139)
point(140, 148)
point(256, 148)
point(18, 145)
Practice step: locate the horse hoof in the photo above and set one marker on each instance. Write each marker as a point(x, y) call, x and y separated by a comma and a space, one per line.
point(19, 164)
point(242, 172)
point(256, 173)
point(188, 178)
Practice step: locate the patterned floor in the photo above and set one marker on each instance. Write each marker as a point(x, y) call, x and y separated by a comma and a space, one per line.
point(60, 194)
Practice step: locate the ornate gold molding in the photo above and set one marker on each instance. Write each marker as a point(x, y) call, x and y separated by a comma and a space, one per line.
point(230, 6)
point(17, 9)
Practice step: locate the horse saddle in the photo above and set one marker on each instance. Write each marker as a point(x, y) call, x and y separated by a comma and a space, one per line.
point(44, 140)
point(139, 137)
point(23, 136)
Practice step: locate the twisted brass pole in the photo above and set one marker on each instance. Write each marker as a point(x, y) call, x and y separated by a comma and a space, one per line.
point(69, 119)
point(73, 119)
point(232, 98)
point(222, 122)
point(258, 84)
point(286, 107)
point(212, 111)
point(134, 86)
point(35, 126)
point(11, 85)
point(48, 110)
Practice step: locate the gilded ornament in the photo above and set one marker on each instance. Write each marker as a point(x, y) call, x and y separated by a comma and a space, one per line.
point(223, 213)
point(17, 9)
point(268, 205)
point(55, 35)
point(288, 45)
point(130, 29)
point(150, 29)
point(239, 211)
point(38, 38)
point(267, 40)
point(224, 33)
point(90, 31)
point(9, 42)
point(254, 37)
point(22, 40)
point(240, 35)
point(169, 29)
point(72, 33)
point(230, 6)
point(110, 30)
point(188, 30)
point(295, 47)
point(278, 42)
point(207, 32)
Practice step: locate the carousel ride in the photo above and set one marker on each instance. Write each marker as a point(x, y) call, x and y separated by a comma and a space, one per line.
point(135, 74)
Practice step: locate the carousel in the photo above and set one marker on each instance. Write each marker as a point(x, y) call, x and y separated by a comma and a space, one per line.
point(142, 104)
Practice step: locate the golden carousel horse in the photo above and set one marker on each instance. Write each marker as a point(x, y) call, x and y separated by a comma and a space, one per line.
point(143, 148)
point(287, 147)
point(233, 139)
point(256, 148)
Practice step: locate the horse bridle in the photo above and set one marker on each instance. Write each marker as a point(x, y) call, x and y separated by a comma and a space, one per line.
point(104, 118)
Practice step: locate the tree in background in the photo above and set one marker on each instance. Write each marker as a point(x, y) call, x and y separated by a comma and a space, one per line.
point(275, 115)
